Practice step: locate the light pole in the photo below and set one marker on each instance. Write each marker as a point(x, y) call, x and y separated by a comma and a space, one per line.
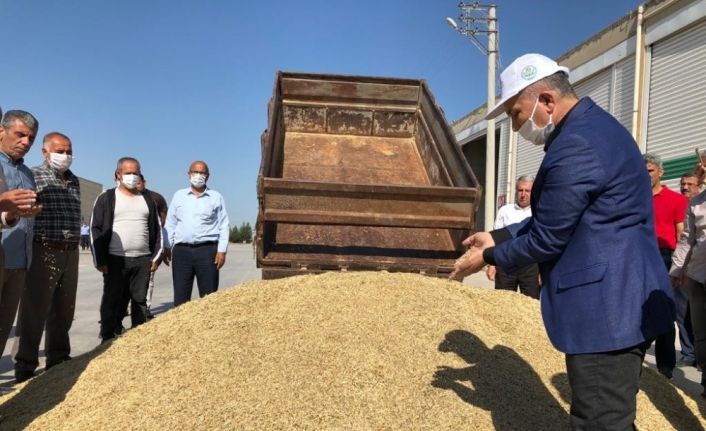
point(473, 13)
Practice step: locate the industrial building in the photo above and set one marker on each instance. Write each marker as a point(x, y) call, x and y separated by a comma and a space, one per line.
point(89, 192)
point(645, 69)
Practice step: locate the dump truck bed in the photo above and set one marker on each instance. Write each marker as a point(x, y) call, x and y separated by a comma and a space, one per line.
point(360, 173)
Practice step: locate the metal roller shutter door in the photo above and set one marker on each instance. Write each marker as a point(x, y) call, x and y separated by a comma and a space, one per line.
point(529, 157)
point(623, 90)
point(677, 96)
point(597, 87)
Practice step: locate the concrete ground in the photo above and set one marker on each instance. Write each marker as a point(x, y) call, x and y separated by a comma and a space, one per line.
point(239, 267)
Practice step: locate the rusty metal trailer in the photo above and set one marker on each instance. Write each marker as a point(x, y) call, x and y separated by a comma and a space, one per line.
point(360, 173)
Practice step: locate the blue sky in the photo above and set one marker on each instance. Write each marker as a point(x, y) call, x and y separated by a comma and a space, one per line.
point(171, 81)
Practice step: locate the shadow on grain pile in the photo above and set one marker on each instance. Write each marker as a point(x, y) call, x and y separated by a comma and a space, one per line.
point(339, 350)
point(41, 394)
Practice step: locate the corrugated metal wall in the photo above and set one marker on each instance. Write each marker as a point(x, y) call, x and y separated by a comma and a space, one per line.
point(623, 91)
point(597, 87)
point(677, 95)
point(529, 157)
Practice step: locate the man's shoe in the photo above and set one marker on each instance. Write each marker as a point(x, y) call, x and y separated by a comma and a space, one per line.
point(23, 375)
point(54, 364)
point(666, 372)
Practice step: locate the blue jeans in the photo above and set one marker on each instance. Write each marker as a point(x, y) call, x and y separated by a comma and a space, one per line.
point(189, 261)
point(665, 355)
point(686, 333)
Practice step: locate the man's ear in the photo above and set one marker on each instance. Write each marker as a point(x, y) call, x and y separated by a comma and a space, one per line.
point(548, 98)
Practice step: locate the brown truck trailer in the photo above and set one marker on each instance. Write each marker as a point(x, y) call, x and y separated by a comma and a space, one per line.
point(360, 173)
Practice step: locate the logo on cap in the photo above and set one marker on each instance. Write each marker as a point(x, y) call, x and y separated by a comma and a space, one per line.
point(528, 72)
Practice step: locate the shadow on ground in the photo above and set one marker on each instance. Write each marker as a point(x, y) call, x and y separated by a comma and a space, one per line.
point(42, 393)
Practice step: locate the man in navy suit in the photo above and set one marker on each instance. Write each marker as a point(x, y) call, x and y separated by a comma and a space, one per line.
point(606, 293)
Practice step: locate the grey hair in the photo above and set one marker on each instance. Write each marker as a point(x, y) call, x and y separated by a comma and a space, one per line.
point(653, 159)
point(23, 116)
point(48, 136)
point(525, 179)
point(123, 160)
point(558, 81)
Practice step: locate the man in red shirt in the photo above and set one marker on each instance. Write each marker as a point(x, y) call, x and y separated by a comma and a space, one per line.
point(669, 214)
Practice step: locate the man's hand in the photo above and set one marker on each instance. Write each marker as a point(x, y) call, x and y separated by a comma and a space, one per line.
point(490, 272)
point(220, 260)
point(16, 200)
point(481, 240)
point(12, 216)
point(470, 263)
point(29, 212)
point(700, 170)
point(676, 282)
point(102, 268)
point(167, 256)
point(153, 266)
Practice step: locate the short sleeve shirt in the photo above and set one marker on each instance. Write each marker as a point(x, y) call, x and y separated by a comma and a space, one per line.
point(669, 209)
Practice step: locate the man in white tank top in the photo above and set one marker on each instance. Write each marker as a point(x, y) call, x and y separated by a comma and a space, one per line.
point(127, 245)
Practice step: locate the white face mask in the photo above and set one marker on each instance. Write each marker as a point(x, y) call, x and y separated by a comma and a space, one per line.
point(534, 134)
point(130, 181)
point(60, 162)
point(197, 180)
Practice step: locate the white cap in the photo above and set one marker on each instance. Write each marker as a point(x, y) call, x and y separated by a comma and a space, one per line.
point(524, 71)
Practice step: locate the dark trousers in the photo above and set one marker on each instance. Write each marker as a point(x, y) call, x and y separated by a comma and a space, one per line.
point(604, 388)
point(527, 278)
point(665, 355)
point(49, 298)
point(125, 275)
point(85, 242)
point(697, 304)
point(194, 261)
point(686, 331)
point(11, 284)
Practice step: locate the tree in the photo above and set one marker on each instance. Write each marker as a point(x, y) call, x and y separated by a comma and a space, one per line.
point(242, 233)
point(246, 232)
point(234, 234)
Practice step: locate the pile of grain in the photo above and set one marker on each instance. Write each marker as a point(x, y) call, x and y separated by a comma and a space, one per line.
point(334, 351)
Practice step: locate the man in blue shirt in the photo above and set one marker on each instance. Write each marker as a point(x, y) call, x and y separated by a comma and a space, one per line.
point(17, 132)
point(197, 228)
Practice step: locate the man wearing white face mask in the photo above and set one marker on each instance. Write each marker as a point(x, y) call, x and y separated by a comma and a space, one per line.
point(197, 225)
point(49, 295)
point(606, 293)
point(126, 239)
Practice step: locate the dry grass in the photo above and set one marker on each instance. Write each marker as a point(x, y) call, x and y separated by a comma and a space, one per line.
point(334, 351)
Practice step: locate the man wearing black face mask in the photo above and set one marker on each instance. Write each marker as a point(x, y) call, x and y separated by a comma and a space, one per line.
point(126, 238)
point(605, 292)
point(49, 296)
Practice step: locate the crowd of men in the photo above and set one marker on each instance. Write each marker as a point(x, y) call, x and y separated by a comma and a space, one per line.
point(131, 233)
point(594, 235)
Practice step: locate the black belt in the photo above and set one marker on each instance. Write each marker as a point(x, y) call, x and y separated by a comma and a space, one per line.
point(57, 245)
point(197, 244)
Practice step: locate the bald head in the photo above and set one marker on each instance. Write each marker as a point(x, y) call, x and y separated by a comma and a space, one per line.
point(198, 167)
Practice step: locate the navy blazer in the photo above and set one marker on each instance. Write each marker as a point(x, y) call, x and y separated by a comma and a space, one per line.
point(604, 284)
